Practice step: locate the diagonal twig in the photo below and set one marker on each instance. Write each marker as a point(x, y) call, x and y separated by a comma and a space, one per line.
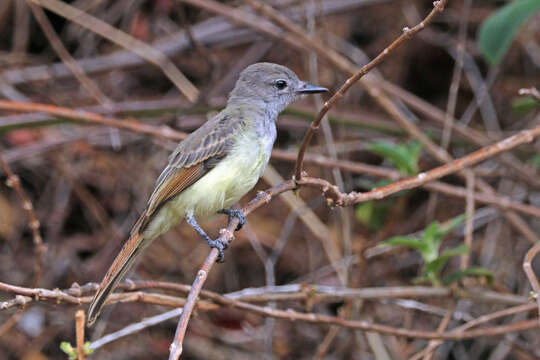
point(336, 197)
point(166, 132)
point(127, 41)
point(33, 222)
point(527, 267)
point(407, 33)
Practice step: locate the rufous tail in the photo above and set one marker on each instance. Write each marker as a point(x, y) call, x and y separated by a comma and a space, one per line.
point(131, 249)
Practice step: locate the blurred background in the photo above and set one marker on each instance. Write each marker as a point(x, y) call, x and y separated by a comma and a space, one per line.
point(88, 182)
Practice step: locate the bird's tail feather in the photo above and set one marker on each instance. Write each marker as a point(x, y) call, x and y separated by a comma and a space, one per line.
point(130, 251)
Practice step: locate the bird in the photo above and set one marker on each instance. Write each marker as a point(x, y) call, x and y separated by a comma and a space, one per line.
point(213, 167)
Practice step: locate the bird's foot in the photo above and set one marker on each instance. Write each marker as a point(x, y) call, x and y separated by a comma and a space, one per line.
point(220, 246)
point(233, 213)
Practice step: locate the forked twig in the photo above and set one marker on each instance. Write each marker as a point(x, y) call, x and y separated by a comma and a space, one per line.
point(227, 236)
point(502, 202)
point(336, 197)
point(407, 33)
point(127, 41)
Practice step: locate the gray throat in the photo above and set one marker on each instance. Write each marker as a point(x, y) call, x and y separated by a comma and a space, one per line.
point(264, 114)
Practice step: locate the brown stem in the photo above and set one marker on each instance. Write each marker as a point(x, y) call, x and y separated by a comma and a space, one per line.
point(33, 222)
point(438, 6)
point(79, 332)
point(527, 267)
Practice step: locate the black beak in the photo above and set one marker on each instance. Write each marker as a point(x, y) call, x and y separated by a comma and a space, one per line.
point(307, 88)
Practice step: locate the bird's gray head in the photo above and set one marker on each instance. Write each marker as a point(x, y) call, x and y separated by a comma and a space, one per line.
point(270, 86)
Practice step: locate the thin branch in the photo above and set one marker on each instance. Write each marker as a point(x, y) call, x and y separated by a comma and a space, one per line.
point(79, 295)
point(290, 314)
point(469, 212)
point(8, 324)
point(526, 173)
point(310, 219)
point(14, 182)
point(127, 41)
point(438, 6)
point(226, 236)
point(93, 118)
point(527, 267)
point(166, 132)
point(533, 92)
point(65, 56)
point(133, 328)
point(336, 197)
point(368, 326)
point(500, 201)
point(478, 321)
point(452, 97)
point(442, 327)
point(79, 332)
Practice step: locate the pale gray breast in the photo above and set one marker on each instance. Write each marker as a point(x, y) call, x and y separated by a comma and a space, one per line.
point(266, 129)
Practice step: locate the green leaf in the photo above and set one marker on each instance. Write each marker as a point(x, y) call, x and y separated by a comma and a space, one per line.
point(428, 245)
point(522, 105)
point(497, 32)
point(432, 240)
point(364, 212)
point(472, 271)
point(403, 157)
point(373, 214)
point(68, 349)
point(414, 148)
point(422, 280)
point(407, 241)
point(458, 220)
point(436, 265)
point(535, 161)
point(86, 348)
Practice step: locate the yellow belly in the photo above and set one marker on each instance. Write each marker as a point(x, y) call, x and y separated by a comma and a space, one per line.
point(220, 188)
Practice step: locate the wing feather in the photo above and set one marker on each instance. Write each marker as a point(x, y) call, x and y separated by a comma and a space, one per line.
point(190, 161)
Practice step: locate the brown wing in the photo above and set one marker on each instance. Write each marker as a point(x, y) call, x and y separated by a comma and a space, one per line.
point(191, 160)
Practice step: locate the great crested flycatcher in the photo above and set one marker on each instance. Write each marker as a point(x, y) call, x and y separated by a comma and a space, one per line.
point(213, 167)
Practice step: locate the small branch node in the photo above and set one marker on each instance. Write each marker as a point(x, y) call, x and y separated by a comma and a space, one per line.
point(130, 284)
point(12, 181)
point(35, 223)
point(227, 234)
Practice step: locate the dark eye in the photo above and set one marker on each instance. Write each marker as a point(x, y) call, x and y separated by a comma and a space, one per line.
point(281, 84)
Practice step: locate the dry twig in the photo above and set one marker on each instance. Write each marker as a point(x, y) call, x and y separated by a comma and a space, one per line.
point(79, 332)
point(127, 41)
point(527, 267)
point(39, 248)
point(57, 295)
point(166, 132)
point(93, 118)
point(336, 197)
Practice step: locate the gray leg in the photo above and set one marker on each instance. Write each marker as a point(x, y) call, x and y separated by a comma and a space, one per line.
point(218, 244)
point(235, 214)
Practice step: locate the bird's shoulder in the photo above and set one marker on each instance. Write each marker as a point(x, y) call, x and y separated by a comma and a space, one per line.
point(213, 138)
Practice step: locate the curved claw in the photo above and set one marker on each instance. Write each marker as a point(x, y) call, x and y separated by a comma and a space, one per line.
point(233, 213)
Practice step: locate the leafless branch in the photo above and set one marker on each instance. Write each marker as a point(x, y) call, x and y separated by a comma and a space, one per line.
point(127, 41)
point(337, 198)
point(33, 222)
point(527, 267)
